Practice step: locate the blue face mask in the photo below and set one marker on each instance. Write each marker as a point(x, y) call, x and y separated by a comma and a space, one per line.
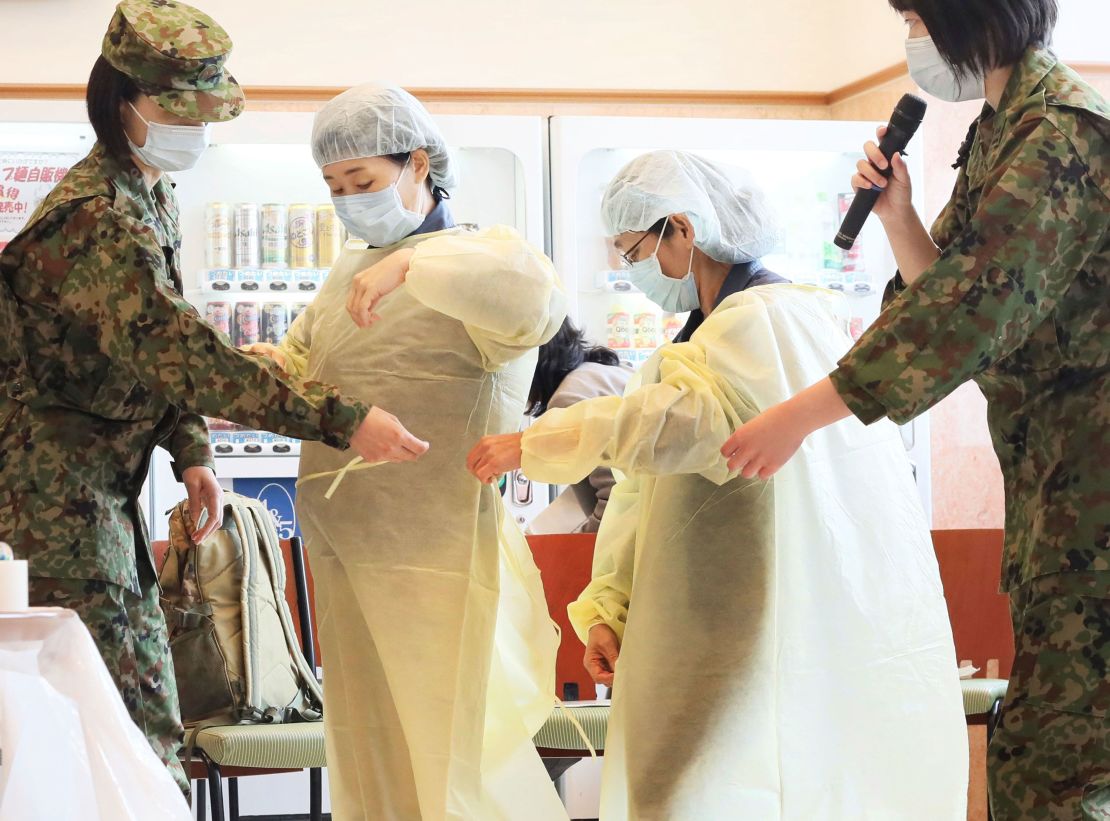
point(676, 296)
point(380, 217)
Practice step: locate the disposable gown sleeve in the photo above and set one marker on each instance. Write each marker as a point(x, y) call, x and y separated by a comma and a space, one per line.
point(296, 342)
point(674, 424)
point(571, 392)
point(994, 284)
point(502, 289)
point(606, 599)
point(111, 279)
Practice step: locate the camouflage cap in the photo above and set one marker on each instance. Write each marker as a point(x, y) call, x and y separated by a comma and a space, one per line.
point(175, 54)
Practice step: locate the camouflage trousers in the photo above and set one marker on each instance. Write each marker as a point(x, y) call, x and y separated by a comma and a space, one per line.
point(1050, 755)
point(130, 633)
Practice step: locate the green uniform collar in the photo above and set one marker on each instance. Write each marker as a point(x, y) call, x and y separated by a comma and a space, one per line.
point(1028, 74)
point(101, 174)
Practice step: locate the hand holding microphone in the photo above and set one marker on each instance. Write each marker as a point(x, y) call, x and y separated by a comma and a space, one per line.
point(883, 170)
point(896, 189)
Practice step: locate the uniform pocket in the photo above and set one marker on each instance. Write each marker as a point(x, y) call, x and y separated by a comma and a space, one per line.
point(91, 382)
point(1040, 353)
point(1063, 654)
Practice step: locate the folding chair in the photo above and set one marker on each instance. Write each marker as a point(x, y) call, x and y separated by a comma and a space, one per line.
point(241, 750)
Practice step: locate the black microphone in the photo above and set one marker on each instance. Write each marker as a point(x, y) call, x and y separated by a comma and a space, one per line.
point(907, 116)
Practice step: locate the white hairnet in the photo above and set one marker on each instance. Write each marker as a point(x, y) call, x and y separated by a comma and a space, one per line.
point(732, 219)
point(372, 121)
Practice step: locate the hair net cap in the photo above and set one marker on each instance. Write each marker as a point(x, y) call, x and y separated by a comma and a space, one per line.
point(373, 121)
point(732, 218)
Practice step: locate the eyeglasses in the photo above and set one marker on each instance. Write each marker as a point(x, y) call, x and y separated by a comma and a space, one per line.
point(627, 255)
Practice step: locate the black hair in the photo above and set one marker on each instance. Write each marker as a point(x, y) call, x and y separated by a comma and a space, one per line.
point(565, 352)
point(402, 158)
point(975, 36)
point(108, 89)
point(658, 228)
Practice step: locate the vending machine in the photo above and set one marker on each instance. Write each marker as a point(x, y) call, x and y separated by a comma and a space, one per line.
point(259, 234)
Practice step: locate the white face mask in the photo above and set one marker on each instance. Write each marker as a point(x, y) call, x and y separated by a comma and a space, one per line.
point(676, 296)
point(935, 76)
point(380, 217)
point(170, 147)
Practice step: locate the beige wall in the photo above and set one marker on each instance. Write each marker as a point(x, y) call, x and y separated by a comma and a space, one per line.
point(788, 45)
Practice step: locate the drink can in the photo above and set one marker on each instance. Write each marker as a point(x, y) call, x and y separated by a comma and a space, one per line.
point(275, 236)
point(302, 236)
point(275, 322)
point(646, 333)
point(246, 235)
point(296, 310)
point(218, 315)
point(246, 323)
point(619, 323)
point(218, 234)
point(329, 236)
point(672, 327)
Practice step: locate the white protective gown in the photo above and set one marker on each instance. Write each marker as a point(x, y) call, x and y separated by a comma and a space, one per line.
point(416, 568)
point(786, 652)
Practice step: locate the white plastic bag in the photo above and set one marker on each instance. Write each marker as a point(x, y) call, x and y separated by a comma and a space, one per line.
point(69, 750)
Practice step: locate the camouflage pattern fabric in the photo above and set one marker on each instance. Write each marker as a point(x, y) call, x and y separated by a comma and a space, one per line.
point(1050, 756)
point(102, 361)
point(176, 54)
point(130, 632)
point(1018, 302)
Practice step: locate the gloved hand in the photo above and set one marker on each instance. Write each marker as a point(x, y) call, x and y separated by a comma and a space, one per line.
point(205, 494)
point(602, 652)
point(370, 286)
point(494, 456)
point(382, 438)
point(266, 349)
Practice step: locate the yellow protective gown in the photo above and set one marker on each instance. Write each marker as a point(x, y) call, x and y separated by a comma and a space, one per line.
point(416, 567)
point(786, 648)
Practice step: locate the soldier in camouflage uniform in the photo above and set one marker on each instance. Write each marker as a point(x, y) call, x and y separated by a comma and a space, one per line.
point(1018, 301)
point(103, 360)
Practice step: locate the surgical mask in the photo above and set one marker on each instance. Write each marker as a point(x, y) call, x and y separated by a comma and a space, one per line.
point(929, 70)
point(676, 296)
point(170, 147)
point(380, 217)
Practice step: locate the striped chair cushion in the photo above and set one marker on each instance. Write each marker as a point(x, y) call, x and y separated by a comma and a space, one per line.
point(291, 746)
point(559, 733)
point(981, 693)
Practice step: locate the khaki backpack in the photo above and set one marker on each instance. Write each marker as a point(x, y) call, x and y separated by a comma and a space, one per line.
point(235, 652)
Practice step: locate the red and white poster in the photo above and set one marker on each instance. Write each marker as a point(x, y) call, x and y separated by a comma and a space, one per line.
point(26, 177)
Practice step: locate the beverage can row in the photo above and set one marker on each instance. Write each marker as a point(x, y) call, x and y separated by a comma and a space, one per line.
point(245, 323)
point(644, 330)
point(271, 236)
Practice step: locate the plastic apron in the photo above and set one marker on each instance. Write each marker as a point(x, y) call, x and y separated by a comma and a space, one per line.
point(427, 717)
point(786, 647)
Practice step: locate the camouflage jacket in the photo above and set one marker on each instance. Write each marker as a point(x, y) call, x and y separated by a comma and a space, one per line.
point(103, 360)
point(1018, 301)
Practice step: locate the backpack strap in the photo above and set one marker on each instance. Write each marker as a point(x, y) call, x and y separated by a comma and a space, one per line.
point(270, 550)
point(252, 708)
